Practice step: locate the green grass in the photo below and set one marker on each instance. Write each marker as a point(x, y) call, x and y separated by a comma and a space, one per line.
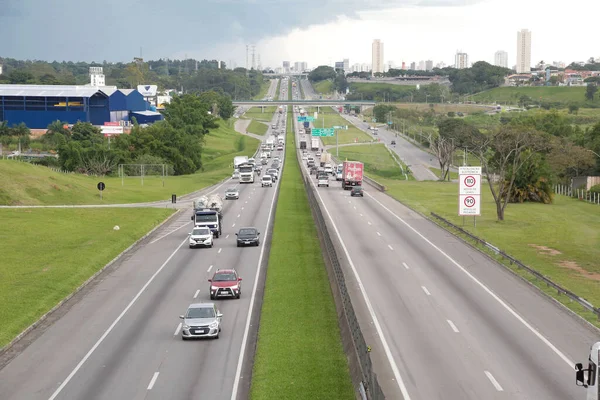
point(264, 114)
point(299, 353)
point(277, 92)
point(301, 89)
point(263, 90)
point(331, 118)
point(75, 243)
point(258, 128)
point(27, 184)
point(323, 87)
point(438, 173)
point(563, 94)
point(377, 160)
point(568, 226)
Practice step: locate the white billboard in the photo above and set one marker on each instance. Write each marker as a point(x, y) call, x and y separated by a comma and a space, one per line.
point(148, 90)
point(111, 130)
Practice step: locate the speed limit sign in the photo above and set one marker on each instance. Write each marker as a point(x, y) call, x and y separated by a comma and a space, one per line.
point(469, 182)
point(469, 204)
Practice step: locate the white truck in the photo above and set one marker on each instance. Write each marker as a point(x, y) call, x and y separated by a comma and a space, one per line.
point(246, 172)
point(589, 377)
point(239, 160)
point(314, 144)
point(208, 212)
point(271, 143)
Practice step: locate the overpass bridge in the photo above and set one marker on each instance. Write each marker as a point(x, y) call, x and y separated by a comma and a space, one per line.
point(361, 104)
point(276, 75)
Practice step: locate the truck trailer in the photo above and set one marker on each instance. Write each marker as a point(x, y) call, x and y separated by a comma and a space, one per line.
point(303, 144)
point(314, 144)
point(352, 174)
point(239, 160)
point(208, 212)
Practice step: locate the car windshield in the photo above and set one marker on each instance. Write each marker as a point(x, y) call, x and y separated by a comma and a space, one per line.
point(247, 232)
point(357, 188)
point(206, 217)
point(231, 190)
point(224, 277)
point(266, 178)
point(202, 312)
point(201, 231)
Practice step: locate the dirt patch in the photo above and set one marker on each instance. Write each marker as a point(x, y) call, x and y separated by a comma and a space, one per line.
point(545, 250)
point(573, 266)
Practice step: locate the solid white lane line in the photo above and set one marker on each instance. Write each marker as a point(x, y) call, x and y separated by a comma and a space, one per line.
point(167, 234)
point(242, 207)
point(426, 291)
point(354, 207)
point(153, 380)
point(483, 286)
point(246, 202)
point(196, 294)
point(238, 371)
point(378, 234)
point(178, 329)
point(238, 216)
point(226, 237)
point(386, 347)
point(391, 248)
point(233, 225)
point(369, 222)
point(454, 328)
point(116, 321)
point(361, 215)
point(220, 250)
point(209, 268)
point(494, 381)
point(405, 265)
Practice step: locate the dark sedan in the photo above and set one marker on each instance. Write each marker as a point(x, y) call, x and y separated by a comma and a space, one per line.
point(248, 237)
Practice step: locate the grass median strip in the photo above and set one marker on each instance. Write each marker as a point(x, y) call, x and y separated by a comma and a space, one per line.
point(258, 128)
point(48, 253)
point(299, 353)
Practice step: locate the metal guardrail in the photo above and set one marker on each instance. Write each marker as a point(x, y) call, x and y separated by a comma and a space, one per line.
point(559, 289)
point(369, 378)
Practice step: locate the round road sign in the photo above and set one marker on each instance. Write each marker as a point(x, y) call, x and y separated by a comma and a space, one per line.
point(469, 201)
point(101, 186)
point(470, 181)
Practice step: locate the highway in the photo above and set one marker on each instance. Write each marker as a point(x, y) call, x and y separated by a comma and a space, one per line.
point(121, 340)
point(240, 110)
point(444, 321)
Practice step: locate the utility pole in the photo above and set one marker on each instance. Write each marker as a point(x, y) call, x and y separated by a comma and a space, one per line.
point(253, 59)
point(247, 57)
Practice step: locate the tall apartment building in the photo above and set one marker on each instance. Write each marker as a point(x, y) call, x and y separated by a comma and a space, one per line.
point(286, 66)
point(300, 66)
point(461, 60)
point(428, 65)
point(346, 66)
point(501, 59)
point(413, 66)
point(403, 65)
point(523, 51)
point(377, 56)
point(421, 65)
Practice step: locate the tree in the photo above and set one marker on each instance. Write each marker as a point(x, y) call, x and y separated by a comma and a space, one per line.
point(569, 160)
point(502, 153)
point(85, 131)
point(321, 73)
point(453, 133)
point(191, 112)
point(590, 91)
point(573, 108)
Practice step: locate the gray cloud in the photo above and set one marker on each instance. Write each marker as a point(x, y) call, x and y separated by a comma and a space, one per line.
point(115, 30)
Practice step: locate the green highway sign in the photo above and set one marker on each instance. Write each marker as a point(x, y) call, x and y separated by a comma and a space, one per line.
point(322, 132)
point(341, 127)
point(306, 119)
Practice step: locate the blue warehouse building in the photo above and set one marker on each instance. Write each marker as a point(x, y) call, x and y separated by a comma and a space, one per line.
point(39, 105)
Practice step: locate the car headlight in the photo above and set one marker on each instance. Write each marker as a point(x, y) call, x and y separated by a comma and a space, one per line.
point(213, 288)
point(235, 287)
point(214, 325)
point(186, 326)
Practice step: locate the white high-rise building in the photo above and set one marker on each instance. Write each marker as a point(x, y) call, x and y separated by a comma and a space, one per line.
point(461, 60)
point(97, 77)
point(501, 59)
point(377, 56)
point(300, 66)
point(0, 69)
point(346, 66)
point(523, 51)
point(428, 65)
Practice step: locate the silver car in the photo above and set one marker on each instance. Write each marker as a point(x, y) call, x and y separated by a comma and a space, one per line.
point(202, 320)
point(232, 193)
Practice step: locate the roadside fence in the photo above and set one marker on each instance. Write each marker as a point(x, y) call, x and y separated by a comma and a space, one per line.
point(361, 367)
point(549, 283)
point(581, 194)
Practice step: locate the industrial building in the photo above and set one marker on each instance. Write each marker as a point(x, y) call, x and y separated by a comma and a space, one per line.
point(39, 105)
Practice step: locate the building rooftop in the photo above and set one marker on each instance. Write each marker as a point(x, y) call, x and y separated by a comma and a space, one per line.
point(147, 113)
point(53, 90)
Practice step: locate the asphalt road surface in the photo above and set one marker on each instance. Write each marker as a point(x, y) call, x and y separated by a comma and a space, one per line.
point(122, 340)
point(444, 321)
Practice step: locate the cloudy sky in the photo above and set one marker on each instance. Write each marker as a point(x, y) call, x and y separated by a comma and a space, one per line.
point(315, 31)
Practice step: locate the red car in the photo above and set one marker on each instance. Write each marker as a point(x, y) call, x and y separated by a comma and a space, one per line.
point(225, 283)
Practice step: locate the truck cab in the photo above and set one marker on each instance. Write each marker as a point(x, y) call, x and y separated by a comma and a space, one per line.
point(246, 173)
point(588, 377)
point(209, 218)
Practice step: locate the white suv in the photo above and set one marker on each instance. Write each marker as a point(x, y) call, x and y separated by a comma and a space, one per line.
point(322, 180)
point(266, 180)
point(201, 236)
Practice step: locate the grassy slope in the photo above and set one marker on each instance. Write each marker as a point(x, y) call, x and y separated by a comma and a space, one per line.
point(264, 89)
point(553, 93)
point(358, 87)
point(323, 87)
point(258, 128)
point(299, 354)
point(26, 184)
point(75, 244)
point(375, 157)
point(264, 115)
point(333, 118)
point(568, 225)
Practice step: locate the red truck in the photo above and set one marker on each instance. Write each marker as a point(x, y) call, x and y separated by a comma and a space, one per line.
point(352, 174)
